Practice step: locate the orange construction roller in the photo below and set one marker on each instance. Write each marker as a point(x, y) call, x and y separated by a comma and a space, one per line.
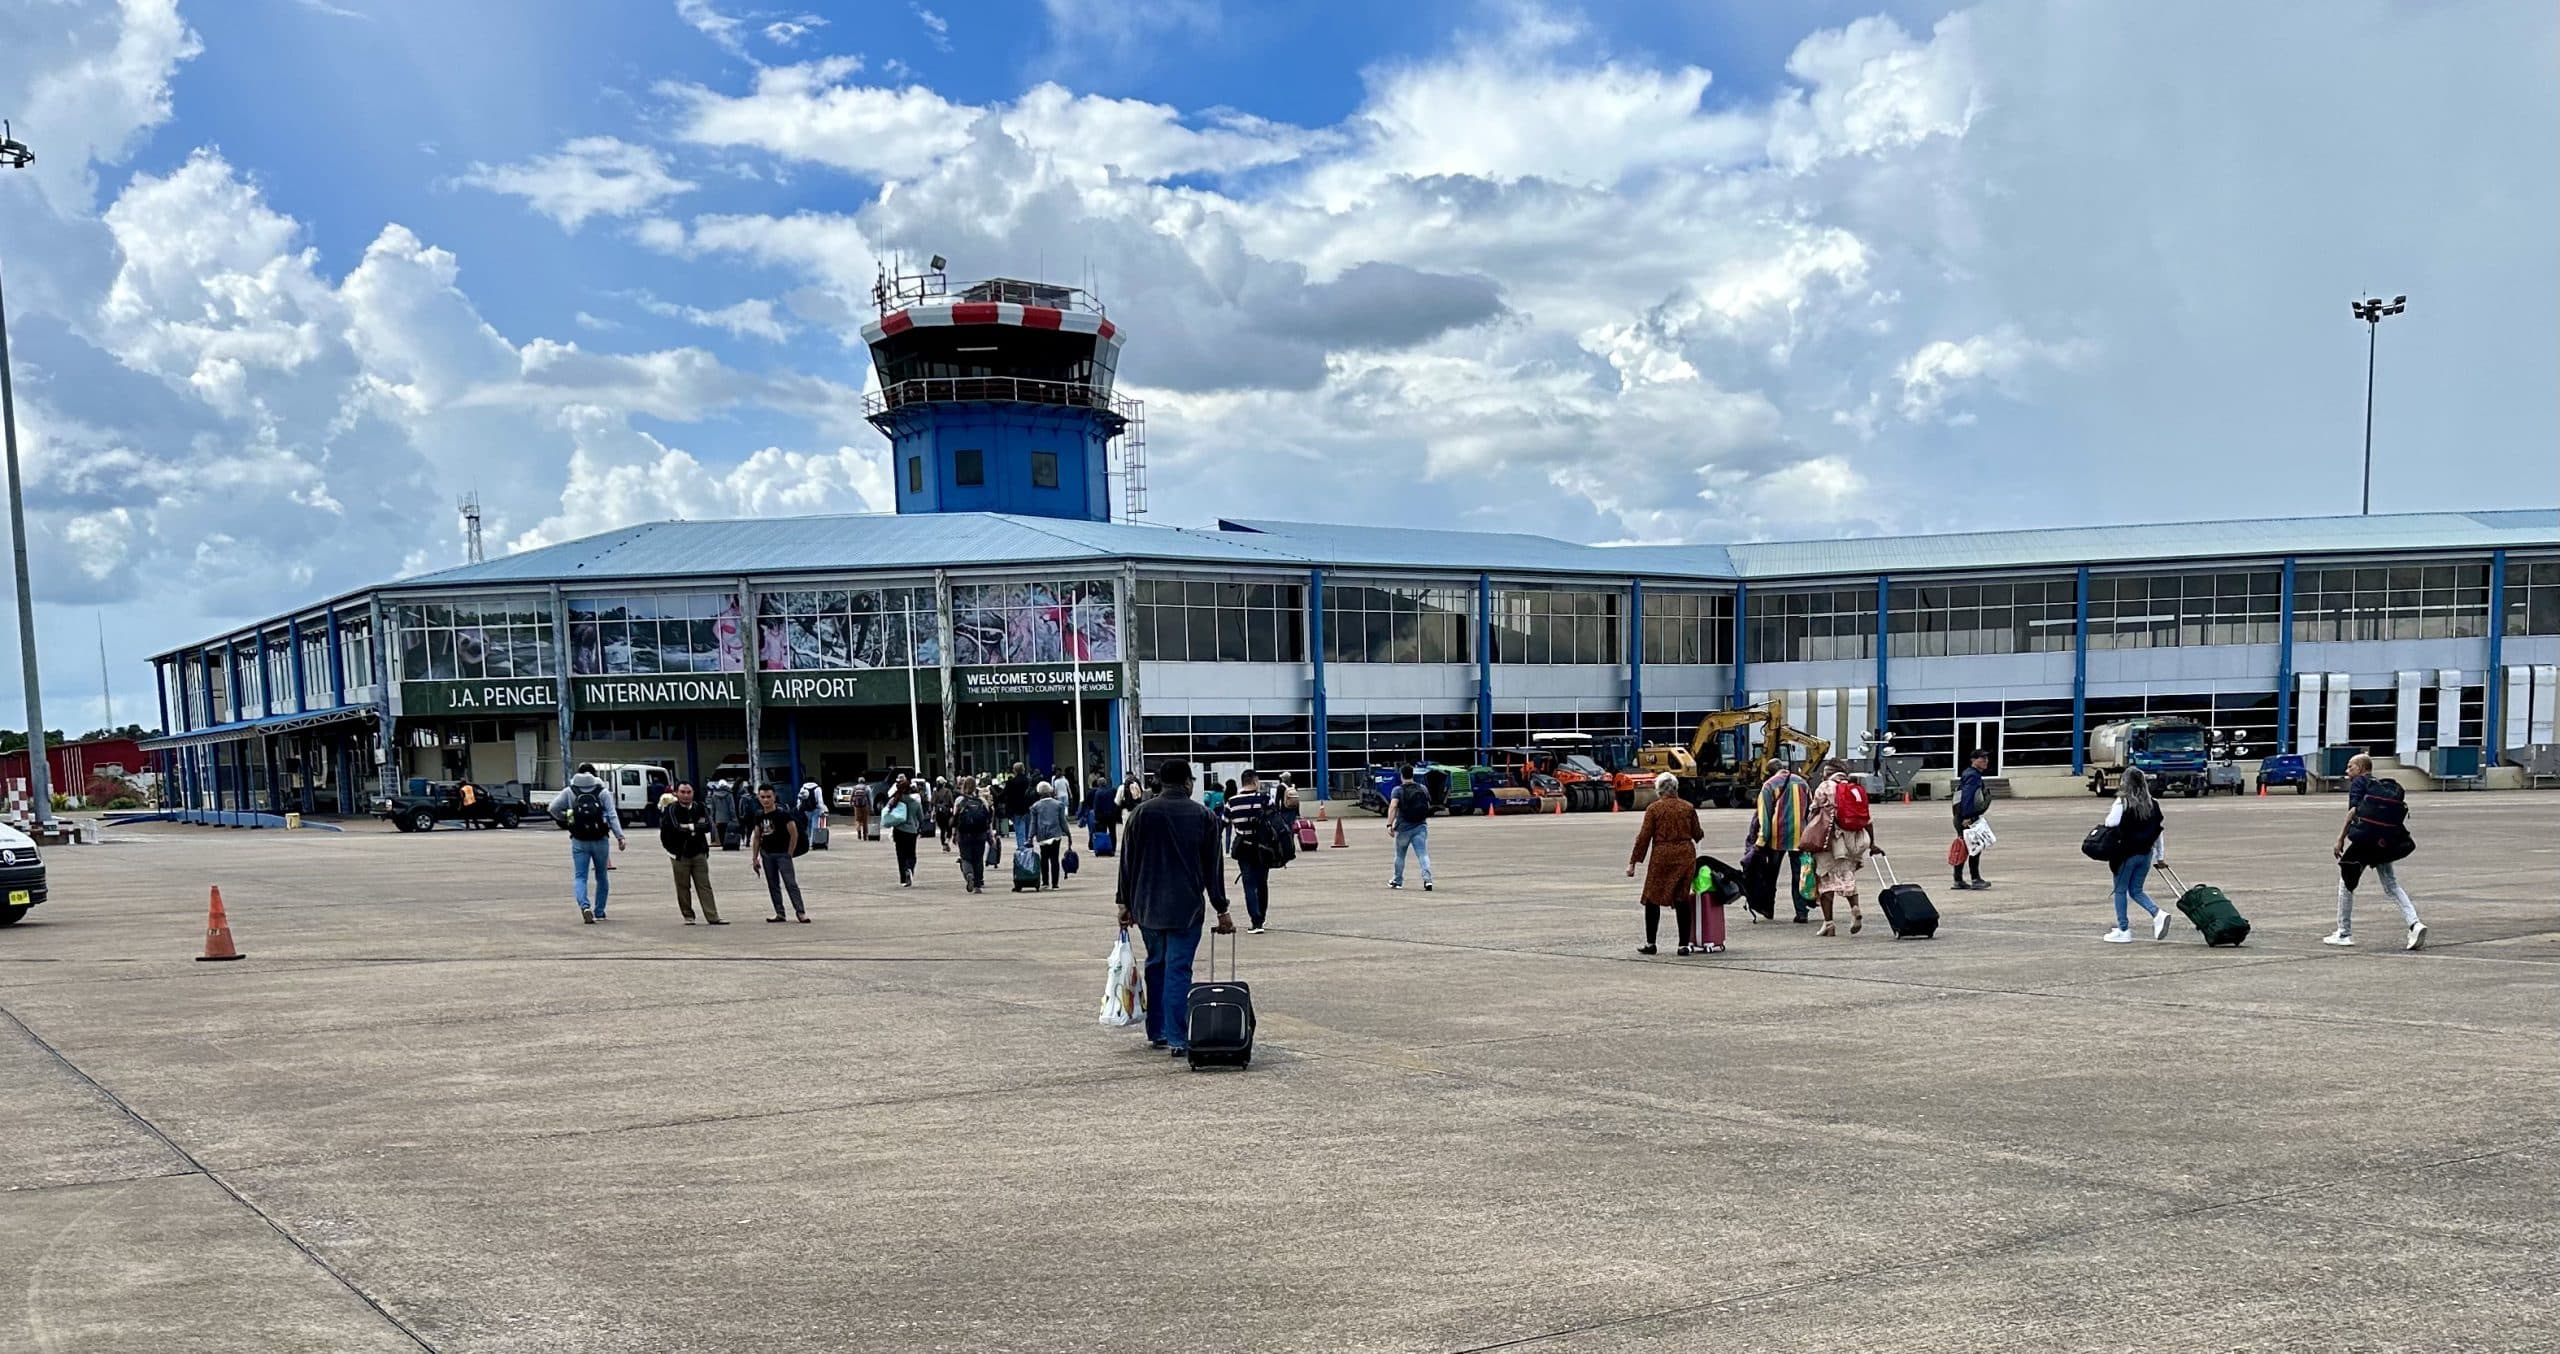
point(1339, 838)
point(217, 933)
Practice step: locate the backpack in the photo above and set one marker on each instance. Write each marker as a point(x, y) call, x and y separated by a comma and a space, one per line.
point(1260, 840)
point(586, 816)
point(971, 817)
point(1413, 805)
point(1849, 809)
point(2383, 811)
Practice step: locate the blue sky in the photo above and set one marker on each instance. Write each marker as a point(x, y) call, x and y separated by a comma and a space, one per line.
point(292, 274)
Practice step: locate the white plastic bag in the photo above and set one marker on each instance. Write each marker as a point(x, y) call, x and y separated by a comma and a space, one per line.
point(1978, 838)
point(1124, 996)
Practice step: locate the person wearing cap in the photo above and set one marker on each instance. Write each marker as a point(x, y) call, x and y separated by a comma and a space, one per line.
point(1170, 875)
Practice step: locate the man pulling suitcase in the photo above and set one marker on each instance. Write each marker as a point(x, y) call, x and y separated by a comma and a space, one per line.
point(1171, 874)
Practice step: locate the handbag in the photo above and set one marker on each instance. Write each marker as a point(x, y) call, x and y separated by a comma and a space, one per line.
point(1068, 863)
point(1816, 835)
point(1956, 852)
point(995, 853)
point(2100, 844)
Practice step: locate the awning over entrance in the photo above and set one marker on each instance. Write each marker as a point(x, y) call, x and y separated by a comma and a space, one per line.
point(259, 728)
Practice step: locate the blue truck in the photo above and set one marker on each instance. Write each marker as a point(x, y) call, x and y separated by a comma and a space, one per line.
point(2174, 753)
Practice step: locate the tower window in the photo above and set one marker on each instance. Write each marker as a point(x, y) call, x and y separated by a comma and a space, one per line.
point(969, 466)
point(1044, 470)
point(915, 474)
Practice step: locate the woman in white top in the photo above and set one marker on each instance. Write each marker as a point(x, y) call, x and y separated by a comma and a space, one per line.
point(2137, 825)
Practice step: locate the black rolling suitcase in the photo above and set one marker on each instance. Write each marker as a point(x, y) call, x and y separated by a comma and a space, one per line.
point(1221, 1015)
point(1907, 908)
point(2210, 909)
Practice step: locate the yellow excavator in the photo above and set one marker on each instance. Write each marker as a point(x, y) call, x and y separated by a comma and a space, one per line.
point(1732, 752)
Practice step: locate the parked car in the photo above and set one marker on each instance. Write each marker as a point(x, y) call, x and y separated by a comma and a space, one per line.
point(21, 875)
point(2285, 769)
point(441, 802)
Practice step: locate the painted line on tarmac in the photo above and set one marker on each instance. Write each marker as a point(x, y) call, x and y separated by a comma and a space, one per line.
point(195, 1167)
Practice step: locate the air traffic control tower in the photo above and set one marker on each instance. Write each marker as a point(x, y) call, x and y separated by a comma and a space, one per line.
point(996, 397)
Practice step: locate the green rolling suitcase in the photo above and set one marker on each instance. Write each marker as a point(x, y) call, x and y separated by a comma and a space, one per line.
point(2210, 909)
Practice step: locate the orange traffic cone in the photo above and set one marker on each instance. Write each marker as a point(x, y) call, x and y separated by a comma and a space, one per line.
point(2262, 789)
point(217, 932)
point(1339, 838)
point(1319, 810)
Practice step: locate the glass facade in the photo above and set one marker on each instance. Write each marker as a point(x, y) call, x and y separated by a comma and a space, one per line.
point(1396, 623)
point(355, 649)
point(2398, 601)
point(1957, 619)
point(470, 640)
point(1687, 627)
point(1033, 623)
point(2533, 597)
point(2162, 611)
point(1191, 621)
point(1271, 744)
point(1558, 625)
point(826, 628)
point(1802, 625)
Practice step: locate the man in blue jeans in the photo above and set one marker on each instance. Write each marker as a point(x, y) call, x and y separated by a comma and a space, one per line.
point(595, 833)
point(1412, 813)
point(1170, 868)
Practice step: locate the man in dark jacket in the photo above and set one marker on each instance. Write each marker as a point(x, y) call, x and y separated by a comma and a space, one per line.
point(1973, 799)
point(685, 831)
point(1168, 865)
point(1014, 800)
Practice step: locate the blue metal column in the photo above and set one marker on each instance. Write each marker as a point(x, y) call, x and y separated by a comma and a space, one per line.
point(337, 662)
point(2492, 735)
point(2080, 672)
point(293, 655)
point(2284, 662)
point(1315, 701)
point(791, 741)
point(1884, 647)
point(1484, 663)
point(1112, 713)
point(1741, 645)
point(1635, 659)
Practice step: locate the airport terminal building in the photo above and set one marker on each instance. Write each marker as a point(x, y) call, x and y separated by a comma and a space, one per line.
point(1000, 615)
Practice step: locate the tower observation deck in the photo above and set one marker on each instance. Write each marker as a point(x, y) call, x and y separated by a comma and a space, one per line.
point(996, 397)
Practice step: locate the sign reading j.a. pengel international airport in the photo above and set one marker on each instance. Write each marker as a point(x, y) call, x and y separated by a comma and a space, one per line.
point(719, 690)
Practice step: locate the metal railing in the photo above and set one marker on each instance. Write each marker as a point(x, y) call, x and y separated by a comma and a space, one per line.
point(934, 289)
point(1002, 389)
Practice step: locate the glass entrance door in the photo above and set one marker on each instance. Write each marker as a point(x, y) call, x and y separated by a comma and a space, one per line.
point(1978, 735)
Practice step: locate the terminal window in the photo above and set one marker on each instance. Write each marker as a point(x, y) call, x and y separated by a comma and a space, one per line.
point(969, 467)
point(2167, 611)
point(1044, 470)
point(2533, 597)
point(1382, 623)
point(1957, 619)
point(1200, 621)
point(1556, 626)
point(915, 474)
point(1810, 625)
point(2398, 601)
point(1688, 627)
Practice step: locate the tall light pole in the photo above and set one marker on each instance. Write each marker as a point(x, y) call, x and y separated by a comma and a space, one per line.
point(15, 155)
point(2371, 310)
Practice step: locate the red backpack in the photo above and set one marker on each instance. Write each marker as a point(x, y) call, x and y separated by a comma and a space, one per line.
point(1849, 806)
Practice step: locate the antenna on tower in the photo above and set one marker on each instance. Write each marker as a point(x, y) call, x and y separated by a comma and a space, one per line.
point(470, 506)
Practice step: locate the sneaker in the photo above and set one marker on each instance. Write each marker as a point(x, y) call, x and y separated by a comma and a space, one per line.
point(1254, 931)
point(688, 921)
point(2417, 935)
point(2118, 937)
point(715, 921)
point(1395, 883)
point(1426, 886)
point(1711, 949)
point(2159, 923)
point(585, 916)
point(777, 917)
point(2339, 938)
point(1644, 949)
point(1178, 1050)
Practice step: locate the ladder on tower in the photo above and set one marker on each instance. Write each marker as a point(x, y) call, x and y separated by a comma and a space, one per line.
point(1133, 462)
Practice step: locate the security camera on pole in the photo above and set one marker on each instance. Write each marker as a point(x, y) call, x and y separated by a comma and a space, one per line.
point(15, 155)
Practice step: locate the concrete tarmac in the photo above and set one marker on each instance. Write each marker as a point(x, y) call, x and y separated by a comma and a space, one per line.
point(432, 1111)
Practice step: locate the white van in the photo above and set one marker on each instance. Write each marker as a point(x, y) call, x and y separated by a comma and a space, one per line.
point(635, 787)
